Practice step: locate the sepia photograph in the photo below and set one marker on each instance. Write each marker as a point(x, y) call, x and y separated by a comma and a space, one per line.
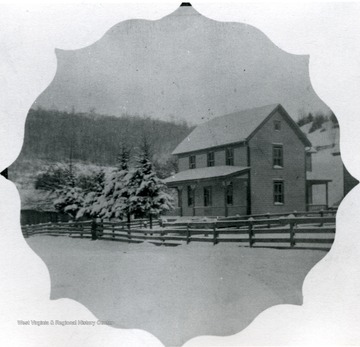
point(179, 176)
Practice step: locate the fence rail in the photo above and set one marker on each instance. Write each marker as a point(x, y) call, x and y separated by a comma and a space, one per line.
point(289, 231)
point(315, 213)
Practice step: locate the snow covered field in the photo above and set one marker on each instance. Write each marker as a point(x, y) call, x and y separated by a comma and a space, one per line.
point(175, 293)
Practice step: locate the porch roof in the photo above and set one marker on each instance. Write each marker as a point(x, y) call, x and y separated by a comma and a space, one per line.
point(205, 173)
point(315, 178)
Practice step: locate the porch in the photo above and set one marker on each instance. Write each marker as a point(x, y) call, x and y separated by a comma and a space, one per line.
point(211, 191)
point(321, 201)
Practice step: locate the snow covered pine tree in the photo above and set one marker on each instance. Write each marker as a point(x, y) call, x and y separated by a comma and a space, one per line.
point(112, 201)
point(147, 192)
point(69, 196)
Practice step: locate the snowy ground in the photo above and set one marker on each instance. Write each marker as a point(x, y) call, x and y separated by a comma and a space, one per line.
point(175, 293)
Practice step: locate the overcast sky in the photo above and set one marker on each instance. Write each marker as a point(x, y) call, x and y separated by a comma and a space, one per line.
point(184, 66)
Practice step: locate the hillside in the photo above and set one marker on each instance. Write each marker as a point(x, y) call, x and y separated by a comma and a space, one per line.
point(88, 137)
point(92, 142)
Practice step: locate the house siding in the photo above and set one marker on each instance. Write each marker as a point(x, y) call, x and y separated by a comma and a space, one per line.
point(220, 157)
point(240, 157)
point(263, 174)
point(183, 163)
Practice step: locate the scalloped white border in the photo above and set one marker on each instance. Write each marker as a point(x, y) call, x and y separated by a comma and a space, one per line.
point(328, 32)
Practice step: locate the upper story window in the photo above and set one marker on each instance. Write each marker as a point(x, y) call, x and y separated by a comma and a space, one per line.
point(278, 156)
point(210, 159)
point(277, 125)
point(278, 192)
point(229, 156)
point(229, 194)
point(192, 162)
point(207, 196)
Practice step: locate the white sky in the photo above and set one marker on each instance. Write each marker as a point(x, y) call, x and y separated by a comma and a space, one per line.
point(185, 67)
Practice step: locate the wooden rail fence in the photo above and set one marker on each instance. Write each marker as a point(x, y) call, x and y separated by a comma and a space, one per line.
point(317, 213)
point(288, 231)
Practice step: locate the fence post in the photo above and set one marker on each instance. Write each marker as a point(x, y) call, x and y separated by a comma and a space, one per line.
point(162, 233)
point(101, 229)
point(292, 234)
point(268, 217)
point(322, 215)
point(187, 233)
point(94, 234)
point(251, 231)
point(215, 231)
point(151, 221)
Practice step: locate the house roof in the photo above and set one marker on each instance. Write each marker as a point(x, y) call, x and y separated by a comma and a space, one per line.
point(232, 128)
point(205, 173)
point(310, 150)
point(315, 177)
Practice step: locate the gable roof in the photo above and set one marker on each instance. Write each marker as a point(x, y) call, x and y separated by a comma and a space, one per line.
point(233, 128)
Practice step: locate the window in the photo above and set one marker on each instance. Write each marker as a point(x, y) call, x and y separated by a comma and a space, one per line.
point(278, 192)
point(192, 162)
point(277, 125)
point(210, 159)
point(207, 196)
point(278, 161)
point(190, 196)
point(229, 194)
point(229, 156)
point(308, 162)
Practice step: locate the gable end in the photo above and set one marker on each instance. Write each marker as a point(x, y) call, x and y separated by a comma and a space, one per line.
point(289, 120)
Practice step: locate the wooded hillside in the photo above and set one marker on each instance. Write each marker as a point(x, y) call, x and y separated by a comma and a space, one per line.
point(55, 136)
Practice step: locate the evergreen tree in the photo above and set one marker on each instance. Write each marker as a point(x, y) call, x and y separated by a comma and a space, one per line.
point(69, 200)
point(147, 192)
point(55, 177)
point(92, 186)
point(113, 200)
point(74, 193)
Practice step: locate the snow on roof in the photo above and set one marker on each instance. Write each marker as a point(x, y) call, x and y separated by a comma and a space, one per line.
point(231, 128)
point(310, 150)
point(316, 176)
point(205, 173)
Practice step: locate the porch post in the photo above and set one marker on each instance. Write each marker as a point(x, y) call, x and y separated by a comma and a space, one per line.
point(248, 195)
point(180, 199)
point(193, 188)
point(224, 183)
point(309, 195)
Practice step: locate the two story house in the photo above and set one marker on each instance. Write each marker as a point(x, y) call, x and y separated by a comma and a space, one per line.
point(249, 162)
